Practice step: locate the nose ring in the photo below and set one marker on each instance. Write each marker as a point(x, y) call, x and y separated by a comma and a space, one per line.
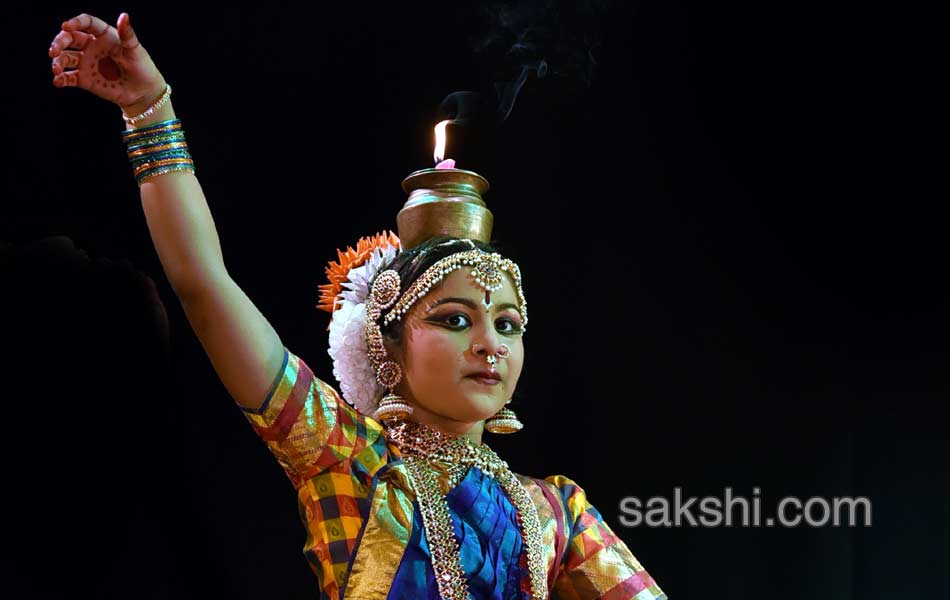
point(503, 352)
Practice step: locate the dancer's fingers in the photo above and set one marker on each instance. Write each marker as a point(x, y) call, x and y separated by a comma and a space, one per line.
point(63, 39)
point(126, 34)
point(87, 23)
point(76, 40)
point(67, 79)
point(66, 60)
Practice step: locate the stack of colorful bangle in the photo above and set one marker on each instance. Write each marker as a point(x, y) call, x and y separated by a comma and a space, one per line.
point(158, 149)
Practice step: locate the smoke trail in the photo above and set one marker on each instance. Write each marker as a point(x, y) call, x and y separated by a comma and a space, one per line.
point(518, 40)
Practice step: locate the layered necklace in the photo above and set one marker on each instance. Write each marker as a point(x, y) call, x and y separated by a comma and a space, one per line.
point(420, 446)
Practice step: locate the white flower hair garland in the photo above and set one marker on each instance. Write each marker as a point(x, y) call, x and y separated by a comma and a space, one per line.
point(345, 297)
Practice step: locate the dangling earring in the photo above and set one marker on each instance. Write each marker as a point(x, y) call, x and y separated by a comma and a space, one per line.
point(388, 373)
point(392, 406)
point(504, 421)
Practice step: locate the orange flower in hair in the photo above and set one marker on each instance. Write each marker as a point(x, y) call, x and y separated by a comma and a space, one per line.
point(338, 271)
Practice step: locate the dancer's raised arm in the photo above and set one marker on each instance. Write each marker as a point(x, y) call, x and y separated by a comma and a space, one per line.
point(110, 62)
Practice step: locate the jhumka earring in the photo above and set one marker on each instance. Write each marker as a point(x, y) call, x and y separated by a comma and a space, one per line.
point(388, 373)
point(505, 420)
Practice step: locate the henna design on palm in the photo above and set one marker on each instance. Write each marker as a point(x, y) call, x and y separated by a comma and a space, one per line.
point(107, 72)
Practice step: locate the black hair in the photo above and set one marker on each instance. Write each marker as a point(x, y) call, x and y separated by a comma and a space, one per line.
point(412, 263)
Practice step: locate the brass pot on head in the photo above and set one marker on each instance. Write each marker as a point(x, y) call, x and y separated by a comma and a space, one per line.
point(444, 202)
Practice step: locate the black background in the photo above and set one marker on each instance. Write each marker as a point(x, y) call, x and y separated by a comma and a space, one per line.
point(733, 234)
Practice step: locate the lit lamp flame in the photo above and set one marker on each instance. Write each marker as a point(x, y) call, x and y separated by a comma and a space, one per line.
point(439, 152)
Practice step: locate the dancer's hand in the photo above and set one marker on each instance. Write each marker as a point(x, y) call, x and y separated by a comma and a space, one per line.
point(107, 61)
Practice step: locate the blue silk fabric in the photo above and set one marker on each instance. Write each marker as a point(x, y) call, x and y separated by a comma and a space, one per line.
point(485, 523)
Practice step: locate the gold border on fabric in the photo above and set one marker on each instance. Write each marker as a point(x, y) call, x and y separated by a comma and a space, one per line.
point(384, 539)
point(280, 389)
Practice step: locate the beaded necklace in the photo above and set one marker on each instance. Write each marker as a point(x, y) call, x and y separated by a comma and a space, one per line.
point(419, 446)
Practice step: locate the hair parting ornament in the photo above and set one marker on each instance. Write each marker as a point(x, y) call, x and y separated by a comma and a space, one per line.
point(488, 272)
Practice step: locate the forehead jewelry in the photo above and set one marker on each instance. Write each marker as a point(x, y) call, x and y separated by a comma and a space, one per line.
point(486, 268)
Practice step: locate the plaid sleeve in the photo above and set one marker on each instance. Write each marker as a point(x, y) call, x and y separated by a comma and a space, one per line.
point(309, 428)
point(597, 564)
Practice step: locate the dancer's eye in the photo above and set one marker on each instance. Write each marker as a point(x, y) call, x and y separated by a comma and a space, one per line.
point(508, 326)
point(454, 320)
point(458, 320)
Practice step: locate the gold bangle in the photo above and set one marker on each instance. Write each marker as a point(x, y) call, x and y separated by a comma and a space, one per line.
point(162, 101)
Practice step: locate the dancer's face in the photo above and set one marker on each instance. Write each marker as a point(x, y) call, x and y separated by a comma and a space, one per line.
point(439, 364)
